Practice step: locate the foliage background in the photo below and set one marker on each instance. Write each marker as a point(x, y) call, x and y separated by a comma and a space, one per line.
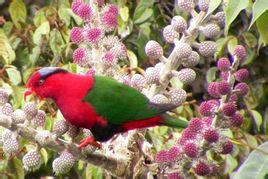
point(35, 33)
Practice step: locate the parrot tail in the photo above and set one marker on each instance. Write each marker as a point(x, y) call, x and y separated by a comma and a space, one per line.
point(173, 122)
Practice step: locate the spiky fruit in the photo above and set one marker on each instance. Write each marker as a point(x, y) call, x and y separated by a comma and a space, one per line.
point(211, 30)
point(73, 131)
point(151, 75)
point(10, 146)
point(138, 81)
point(174, 176)
point(85, 11)
point(18, 116)
point(31, 160)
point(211, 135)
point(40, 119)
point(120, 50)
point(220, 18)
point(186, 5)
point(233, 98)
point(88, 149)
point(223, 87)
point(240, 52)
point(227, 147)
point(177, 96)
point(241, 89)
point(93, 35)
point(237, 119)
point(208, 120)
point(206, 108)
point(109, 59)
point(207, 48)
point(7, 109)
point(196, 125)
point(173, 153)
point(202, 168)
point(43, 137)
point(159, 99)
point(60, 127)
point(161, 156)
point(79, 56)
point(186, 75)
point(63, 163)
point(223, 64)
point(76, 35)
point(109, 20)
point(5, 120)
point(100, 3)
point(170, 34)
point(229, 109)
point(241, 75)
point(112, 8)
point(3, 97)
point(224, 75)
point(153, 50)
point(75, 5)
point(183, 50)
point(212, 89)
point(187, 135)
point(191, 149)
point(203, 5)
point(6, 134)
point(30, 110)
point(179, 24)
point(192, 60)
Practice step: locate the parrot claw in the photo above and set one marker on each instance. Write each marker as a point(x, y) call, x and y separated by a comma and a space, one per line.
point(89, 141)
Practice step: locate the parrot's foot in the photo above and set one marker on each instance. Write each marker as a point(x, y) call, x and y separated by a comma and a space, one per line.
point(89, 141)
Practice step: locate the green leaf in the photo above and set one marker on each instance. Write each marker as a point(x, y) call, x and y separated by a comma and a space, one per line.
point(64, 15)
point(262, 27)
point(231, 163)
point(144, 16)
point(250, 39)
point(40, 17)
point(17, 12)
point(212, 6)
point(132, 59)
point(124, 13)
point(55, 41)
point(255, 165)
point(44, 155)
point(258, 8)
point(211, 74)
point(36, 51)
point(232, 10)
point(257, 118)
point(43, 29)
point(76, 18)
point(17, 163)
point(14, 75)
point(7, 54)
point(232, 44)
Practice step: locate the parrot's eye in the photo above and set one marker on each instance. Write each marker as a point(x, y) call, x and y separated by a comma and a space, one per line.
point(40, 82)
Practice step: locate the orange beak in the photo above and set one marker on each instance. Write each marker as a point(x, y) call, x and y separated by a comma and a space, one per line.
point(27, 93)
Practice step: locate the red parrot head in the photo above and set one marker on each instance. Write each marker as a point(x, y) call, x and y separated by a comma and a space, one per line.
point(43, 82)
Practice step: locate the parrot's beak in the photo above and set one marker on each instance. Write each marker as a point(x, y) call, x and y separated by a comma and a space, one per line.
point(27, 93)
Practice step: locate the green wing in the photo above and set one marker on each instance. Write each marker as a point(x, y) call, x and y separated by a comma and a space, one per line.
point(119, 103)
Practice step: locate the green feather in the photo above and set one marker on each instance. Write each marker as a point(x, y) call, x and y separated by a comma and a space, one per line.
point(119, 103)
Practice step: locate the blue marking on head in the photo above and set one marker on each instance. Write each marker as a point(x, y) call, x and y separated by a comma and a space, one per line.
point(47, 71)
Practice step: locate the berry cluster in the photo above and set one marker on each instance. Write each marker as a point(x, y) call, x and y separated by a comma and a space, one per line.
point(218, 113)
point(98, 49)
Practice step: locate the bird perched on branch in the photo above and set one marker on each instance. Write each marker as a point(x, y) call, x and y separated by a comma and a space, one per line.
point(99, 103)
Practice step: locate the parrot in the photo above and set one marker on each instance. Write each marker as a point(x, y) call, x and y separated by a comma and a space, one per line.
point(101, 104)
